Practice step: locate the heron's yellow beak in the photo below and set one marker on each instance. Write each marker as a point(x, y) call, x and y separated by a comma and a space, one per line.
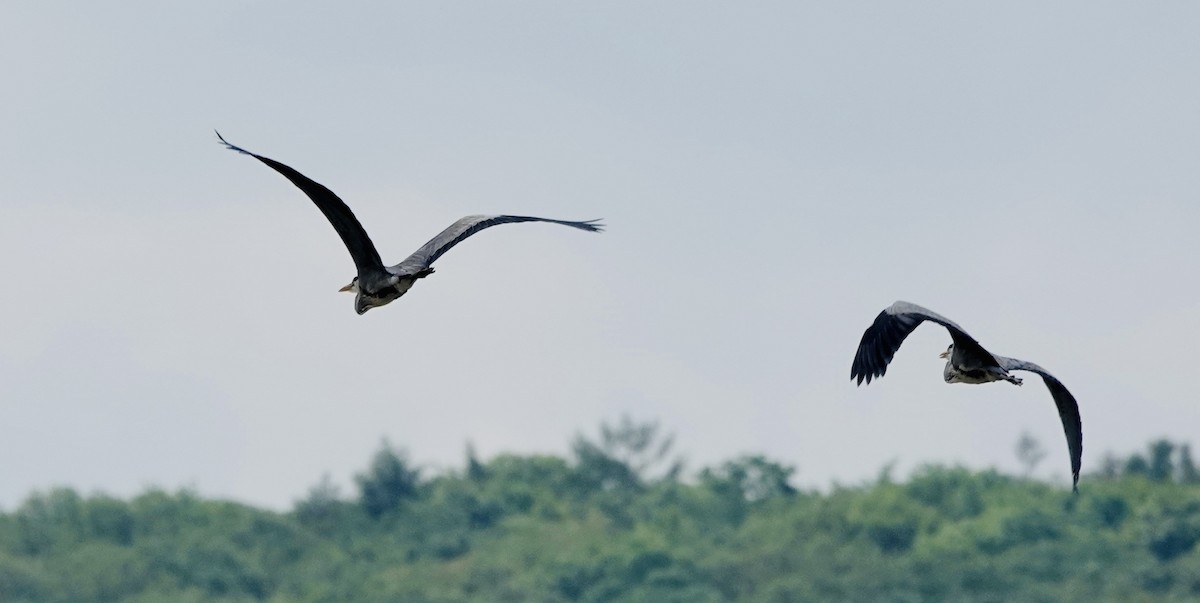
point(349, 287)
point(944, 355)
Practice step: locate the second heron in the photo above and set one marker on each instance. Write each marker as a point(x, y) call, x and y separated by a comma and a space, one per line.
point(966, 362)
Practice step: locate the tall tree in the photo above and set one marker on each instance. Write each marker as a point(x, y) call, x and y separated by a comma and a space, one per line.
point(1029, 452)
point(627, 456)
point(1188, 474)
point(387, 483)
point(1162, 467)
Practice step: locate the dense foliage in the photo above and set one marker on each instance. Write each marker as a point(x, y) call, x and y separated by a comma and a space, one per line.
point(617, 523)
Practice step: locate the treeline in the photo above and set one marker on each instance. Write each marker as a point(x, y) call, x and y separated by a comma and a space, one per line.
point(617, 521)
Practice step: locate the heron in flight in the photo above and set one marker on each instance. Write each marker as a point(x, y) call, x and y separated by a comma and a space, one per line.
point(377, 285)
point(966, 362)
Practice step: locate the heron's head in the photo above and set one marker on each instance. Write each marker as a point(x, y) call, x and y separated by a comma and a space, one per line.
point(351, 288)
point(946, 354)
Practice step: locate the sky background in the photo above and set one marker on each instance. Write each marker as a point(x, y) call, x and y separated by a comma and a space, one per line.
point(772, 174)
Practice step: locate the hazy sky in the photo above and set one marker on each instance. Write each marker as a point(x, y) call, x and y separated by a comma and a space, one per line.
point(772, 174)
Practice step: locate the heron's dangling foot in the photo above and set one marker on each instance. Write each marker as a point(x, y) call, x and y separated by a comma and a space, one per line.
point(1012, 380)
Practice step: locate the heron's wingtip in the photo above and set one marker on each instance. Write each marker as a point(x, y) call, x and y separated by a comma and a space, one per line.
point(859, 377)
point(231, 147)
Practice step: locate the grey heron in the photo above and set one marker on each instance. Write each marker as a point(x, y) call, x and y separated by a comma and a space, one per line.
point(375, 284)
point(966, 362)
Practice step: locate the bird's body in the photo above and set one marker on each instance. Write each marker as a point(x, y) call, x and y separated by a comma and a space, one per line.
point(963, 367)
point(966, 362)
point(375, 284)
point(388, 288)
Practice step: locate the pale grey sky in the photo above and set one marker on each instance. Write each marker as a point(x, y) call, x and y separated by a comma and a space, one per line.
point(773, 175)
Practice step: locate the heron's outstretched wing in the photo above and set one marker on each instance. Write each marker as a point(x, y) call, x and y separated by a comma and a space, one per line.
point(881, 340)
point(465, 227)
point(1068, 411)
point(366, 258)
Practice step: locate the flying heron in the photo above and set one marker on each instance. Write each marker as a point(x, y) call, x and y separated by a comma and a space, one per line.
point(377, 285)
point(966, 362)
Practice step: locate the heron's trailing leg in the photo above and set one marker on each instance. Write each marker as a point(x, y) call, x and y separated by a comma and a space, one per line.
point(1012, 380)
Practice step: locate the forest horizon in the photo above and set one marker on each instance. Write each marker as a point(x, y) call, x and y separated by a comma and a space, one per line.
point(618, 520)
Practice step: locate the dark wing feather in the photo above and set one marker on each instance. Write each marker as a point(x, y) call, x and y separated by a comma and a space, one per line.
point(366, 258)
point(881, 340)
point(465, 227)
point(1068, 411)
